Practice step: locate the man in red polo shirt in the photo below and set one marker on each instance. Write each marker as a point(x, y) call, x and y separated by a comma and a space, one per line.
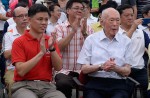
point(34, 55)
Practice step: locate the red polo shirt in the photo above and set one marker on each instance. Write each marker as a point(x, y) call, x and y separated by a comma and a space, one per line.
point(25, 48)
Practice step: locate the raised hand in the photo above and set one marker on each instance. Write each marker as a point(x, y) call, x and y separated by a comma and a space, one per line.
point(42, 45)
point(136, 23)
point(84, 26)
point(75, 25)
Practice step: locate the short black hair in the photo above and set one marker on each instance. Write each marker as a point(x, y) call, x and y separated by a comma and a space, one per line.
point(112, 4)
point(123, 7)
point(36, 8)
point(70, 3)
point(146, 9)
point(103, 7)
point(51, 8)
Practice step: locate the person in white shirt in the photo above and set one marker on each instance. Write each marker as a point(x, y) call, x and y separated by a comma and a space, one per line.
point(54, 11)
point(106, 58)
point(139, 40)
point(20, 16)
point(90, 18)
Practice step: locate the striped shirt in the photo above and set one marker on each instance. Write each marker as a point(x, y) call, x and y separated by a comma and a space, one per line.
point(71, 52)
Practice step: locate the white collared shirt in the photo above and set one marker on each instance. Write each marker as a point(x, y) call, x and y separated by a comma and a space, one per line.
point(145, 29)
point(51, 27)
point(97, 49)
point(8, 40)
point(91, 20)
point(138, 48)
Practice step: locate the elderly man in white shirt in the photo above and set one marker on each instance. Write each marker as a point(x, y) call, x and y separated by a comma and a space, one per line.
point(106, 58)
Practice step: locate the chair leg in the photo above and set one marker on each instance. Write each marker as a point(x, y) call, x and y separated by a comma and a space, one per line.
point(77, 93)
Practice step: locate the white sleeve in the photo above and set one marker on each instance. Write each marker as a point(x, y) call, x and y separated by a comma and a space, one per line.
point(7, 43)
point(86, 52)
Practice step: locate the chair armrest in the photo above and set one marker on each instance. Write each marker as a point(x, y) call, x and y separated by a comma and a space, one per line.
point(77, 81)
point(134, 81)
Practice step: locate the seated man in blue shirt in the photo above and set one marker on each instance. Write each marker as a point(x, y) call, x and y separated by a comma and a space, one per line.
point(106, 57)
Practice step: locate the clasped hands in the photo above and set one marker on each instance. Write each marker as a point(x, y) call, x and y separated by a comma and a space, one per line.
point(109, 65)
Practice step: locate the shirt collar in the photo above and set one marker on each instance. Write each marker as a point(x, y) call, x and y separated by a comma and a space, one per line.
point(66, 23)
point(122, 31)
point(30, 37)
point(103, 36)
point(92, 17)
point(58, 22)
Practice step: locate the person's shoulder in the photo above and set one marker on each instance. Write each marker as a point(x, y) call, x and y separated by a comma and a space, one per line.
point(62, 24)
point(139, 30)
point(95, 35)
point(10, 32)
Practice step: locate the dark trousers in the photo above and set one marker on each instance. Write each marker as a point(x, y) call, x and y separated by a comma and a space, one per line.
point(106, 88)
point(2, 59)
point(141, 76)
point(65, 83)
point(2, 68)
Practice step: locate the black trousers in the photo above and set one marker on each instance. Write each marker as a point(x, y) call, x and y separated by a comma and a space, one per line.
point(141, 76)
point(65, 83)
point(106, 88)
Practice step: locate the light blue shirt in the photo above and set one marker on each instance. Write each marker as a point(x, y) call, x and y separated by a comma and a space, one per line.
point(97, 49)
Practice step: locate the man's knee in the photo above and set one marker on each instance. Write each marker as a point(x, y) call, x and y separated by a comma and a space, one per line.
point(55, 94)
point(24, 93)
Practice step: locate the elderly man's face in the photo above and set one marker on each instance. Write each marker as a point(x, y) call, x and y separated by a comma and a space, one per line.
point(111, 23)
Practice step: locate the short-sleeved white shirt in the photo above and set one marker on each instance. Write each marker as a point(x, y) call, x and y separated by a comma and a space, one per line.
point(91, 20)
point(98, 49)
point(145, 29)
point(51, 27)
point(138, 48)
point(8, 40)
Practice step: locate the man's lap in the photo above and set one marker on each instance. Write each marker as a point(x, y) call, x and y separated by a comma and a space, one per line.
point(35, 88)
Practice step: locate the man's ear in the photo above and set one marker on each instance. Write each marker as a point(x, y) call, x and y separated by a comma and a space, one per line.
point(67, 11)
point(101, 22)
point(14, 18)
point(29, 19)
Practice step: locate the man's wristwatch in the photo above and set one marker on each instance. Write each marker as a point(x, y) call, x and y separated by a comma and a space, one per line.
point(52, 50)
point(100, 66)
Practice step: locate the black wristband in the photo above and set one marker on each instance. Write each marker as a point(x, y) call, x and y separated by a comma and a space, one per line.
point(52, 50)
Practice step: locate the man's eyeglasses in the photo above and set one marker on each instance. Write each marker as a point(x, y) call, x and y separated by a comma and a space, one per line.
point(77, 9)
point(22, 15)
